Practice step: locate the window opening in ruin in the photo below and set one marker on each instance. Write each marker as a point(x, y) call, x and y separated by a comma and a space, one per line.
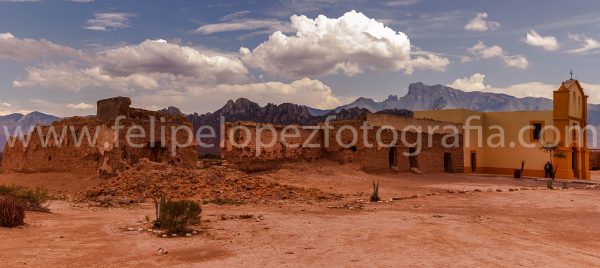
point(49, 158)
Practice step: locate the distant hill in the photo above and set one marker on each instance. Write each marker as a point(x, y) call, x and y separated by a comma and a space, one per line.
point(26, 121)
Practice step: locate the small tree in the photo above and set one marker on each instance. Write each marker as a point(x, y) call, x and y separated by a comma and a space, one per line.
point(552, 150)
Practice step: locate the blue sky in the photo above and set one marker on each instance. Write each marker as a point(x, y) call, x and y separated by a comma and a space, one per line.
point(60, 57)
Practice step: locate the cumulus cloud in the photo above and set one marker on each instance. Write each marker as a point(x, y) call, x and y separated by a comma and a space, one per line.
point(108, 21)
point(349, 44)
point(80, 106)
point(158, 73)
point(304, 91)
point(24, 49)
point(71, 77)
point(481, 50)
point(545, 42)
point(473, 83)
point(243, 25)
point(162, 57)
point(588, 44)
point(148, 65)
point(480, 24)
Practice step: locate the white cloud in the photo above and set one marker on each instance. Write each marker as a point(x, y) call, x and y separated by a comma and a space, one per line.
point(480, 24)
point(162, 57)
point(517, 61)
point(108, 21)
point(349, 44)
point(305, 91)
point(235, 15)
point(158, 73)
point(425, 60)
point(80, 106)
point(399, 3)
point(473, 83)
point(589, 44)
point(244, 25)
point(545, 42)
point(481, 50)
point(521, 90)
point(24, 49)
point(82, 1)
point(68, 76)
point(149, 65)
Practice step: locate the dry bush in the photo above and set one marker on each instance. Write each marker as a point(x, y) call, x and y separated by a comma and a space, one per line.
point(12, 212)
point(176, 215)
point(32, 200)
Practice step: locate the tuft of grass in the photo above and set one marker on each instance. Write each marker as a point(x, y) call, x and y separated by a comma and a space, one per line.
point(30, 199)
point(12, 212)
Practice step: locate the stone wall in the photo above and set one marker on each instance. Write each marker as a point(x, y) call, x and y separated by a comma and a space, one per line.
point(90, 145)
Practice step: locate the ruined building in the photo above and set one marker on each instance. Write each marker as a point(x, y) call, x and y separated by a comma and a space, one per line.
point(116, 137)
point(241, 144)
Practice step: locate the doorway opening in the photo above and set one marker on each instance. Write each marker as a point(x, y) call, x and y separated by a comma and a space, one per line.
point(473, 162)
point(574, 163)
point(412, 157)
point(392, 157)
point(448, 163)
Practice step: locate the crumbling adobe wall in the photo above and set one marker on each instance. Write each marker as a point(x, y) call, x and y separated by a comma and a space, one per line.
point(370, 158)
point(430, 159)
point(110, 145)
point(242, 148)
point(109, 109)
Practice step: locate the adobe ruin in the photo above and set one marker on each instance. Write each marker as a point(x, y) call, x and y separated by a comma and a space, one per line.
point(241, 147)
point(117, 130)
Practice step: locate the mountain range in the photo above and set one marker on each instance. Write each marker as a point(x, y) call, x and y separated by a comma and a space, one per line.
point(26, 121)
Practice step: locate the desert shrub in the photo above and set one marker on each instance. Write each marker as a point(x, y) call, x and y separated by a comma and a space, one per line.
point(12, 212)
point(30, 199)
point(176, 215)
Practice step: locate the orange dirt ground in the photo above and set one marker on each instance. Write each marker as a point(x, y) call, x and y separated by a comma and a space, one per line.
point(441, 225)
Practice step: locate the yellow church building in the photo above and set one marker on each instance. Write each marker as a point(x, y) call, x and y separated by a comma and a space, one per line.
point(498, 142)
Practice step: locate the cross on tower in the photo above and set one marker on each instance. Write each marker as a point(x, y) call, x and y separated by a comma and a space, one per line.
point(571, 74)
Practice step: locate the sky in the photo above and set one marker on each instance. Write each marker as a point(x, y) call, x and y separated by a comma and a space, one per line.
point(61, 56)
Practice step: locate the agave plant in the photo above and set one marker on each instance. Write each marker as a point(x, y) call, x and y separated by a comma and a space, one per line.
point(375, 194)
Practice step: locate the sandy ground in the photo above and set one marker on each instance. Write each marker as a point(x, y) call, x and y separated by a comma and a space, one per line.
point(441, 227)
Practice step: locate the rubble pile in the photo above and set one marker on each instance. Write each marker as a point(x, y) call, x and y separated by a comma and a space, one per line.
point(219, 184)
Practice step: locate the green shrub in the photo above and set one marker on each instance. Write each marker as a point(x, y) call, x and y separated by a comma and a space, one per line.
point(176, 215)
point(12, 212)
point(32, 200)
